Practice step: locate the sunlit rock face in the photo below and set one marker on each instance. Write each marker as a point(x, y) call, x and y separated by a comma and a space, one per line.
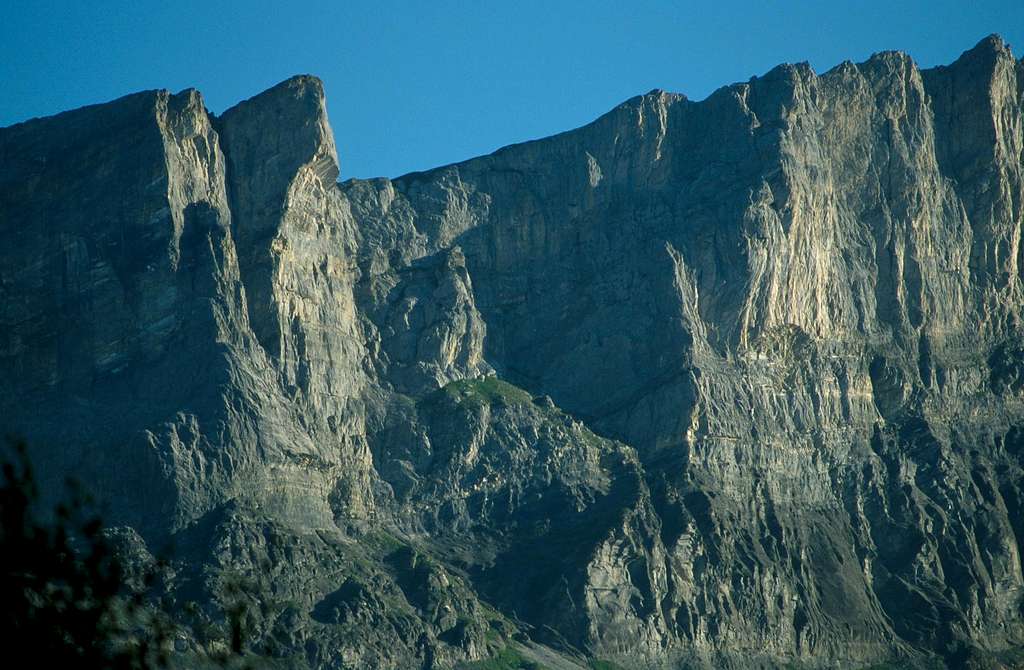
point(729, 383)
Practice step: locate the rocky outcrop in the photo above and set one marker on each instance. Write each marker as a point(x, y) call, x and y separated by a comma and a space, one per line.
point(729, 383)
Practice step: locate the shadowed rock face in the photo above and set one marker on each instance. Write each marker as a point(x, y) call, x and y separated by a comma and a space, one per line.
point(732, 383)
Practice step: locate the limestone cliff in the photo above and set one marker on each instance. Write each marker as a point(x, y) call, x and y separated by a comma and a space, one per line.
point(729, 383)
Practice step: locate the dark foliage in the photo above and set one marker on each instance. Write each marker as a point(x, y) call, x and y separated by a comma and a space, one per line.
point(64, 599)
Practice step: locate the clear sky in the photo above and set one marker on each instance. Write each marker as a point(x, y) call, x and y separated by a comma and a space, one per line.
point(413, 85)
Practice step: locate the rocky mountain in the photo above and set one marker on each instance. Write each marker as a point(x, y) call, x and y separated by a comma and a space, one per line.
point(730, 383)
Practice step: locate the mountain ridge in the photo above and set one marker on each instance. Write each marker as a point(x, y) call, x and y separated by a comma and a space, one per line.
point(757, 398)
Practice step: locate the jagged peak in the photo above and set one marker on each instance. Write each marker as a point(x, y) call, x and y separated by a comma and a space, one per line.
point(843, 67)
point(662, 94)
point(802, 69)
point(985, 54)
point(889, 57)
point(187, 99)
point(889, 66)
point(656, 98)
point(190, 94)
point(303, 80)
point(300, 87)
point(287, 120)
point(992, 44)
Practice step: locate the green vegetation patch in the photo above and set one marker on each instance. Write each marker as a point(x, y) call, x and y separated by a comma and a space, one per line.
point(479, 392)
point(382, 543)
point(506, 659)
point(597, 664)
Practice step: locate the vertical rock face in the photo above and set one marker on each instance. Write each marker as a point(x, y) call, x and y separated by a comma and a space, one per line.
point(732, 383)
point(119, 276)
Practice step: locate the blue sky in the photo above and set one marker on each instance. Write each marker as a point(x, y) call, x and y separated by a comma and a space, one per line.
point(413, 85)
